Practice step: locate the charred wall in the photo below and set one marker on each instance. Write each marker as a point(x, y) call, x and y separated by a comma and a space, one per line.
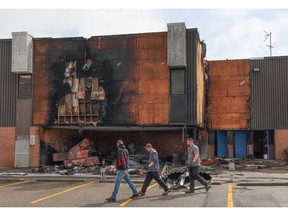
point(132, 70)
point(61, 140)
point(228, 94)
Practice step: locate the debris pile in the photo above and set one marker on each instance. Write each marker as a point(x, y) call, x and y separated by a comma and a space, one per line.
point(79, 155)
point(178, 177)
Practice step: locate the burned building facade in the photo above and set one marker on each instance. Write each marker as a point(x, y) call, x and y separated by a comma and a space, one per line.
point(71, 99)
point(134, 87)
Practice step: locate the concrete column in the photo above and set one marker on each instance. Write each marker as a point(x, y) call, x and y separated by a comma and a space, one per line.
point(176, 44)
point(22, 52)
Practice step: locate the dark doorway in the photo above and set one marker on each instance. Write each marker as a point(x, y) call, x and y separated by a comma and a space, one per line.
point(260, 144)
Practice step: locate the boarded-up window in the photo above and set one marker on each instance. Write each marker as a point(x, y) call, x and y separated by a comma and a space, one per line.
point(24, 87)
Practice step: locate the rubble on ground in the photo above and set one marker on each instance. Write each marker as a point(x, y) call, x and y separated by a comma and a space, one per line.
point(79, 155)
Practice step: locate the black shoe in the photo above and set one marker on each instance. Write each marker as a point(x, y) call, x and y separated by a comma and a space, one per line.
point(166, 192)
point(207, 187)
point(141, 193)
point(110, 199)
point(189, 191)
point(134, 196)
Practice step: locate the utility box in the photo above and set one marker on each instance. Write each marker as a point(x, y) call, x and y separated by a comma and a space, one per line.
point(22, 53)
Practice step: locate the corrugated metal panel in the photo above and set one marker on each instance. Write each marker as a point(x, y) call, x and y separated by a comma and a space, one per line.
point(269, 96)
point(8, 86)
point(192, 36)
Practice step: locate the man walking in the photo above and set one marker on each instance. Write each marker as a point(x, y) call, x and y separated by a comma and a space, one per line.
point(193, 164)
point(122, 172)
point(152, 171)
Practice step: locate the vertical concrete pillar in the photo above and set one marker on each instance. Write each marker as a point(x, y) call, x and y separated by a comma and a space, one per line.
point(176, 40)
point(22, 52)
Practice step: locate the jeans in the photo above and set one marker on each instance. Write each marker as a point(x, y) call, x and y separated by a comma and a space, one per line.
point(120, 175)
point(149, 177)
point(194, 175)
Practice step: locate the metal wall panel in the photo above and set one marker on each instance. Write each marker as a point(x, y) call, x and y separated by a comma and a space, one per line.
point(269, 96)
point(221, 148)
point(22, 153)
point(240, 144)
point(192, 36)
point(8, 86)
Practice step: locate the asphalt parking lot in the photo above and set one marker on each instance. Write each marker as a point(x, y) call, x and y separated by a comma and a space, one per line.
point(90, 193)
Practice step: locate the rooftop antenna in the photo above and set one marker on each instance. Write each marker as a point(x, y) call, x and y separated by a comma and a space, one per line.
point(266, 36)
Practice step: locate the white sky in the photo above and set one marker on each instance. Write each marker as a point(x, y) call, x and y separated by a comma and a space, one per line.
point(230, 31)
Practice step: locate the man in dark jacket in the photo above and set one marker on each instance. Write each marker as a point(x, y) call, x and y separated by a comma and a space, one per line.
point(122, 172)
point(152, 171)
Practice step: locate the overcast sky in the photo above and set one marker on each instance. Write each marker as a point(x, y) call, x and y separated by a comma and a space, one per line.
point(228, 33)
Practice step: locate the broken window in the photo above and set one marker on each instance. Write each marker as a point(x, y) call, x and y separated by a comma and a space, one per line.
point(24, 87)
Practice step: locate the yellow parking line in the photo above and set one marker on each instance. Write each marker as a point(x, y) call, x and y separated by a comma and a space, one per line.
point(13, 184)
point(127, 201)
point(65, 191)
point(230, 197)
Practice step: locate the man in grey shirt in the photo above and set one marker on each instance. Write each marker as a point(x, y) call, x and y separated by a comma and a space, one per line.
point(152, 171)
point(193, 164)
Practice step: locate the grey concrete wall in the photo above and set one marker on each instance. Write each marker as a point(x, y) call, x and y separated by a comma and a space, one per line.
point(176, 44)
point(22, 52)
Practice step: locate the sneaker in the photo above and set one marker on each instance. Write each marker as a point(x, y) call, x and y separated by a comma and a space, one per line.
point(166, 192)
point(110, 199)
point(134, 196)
point(207, 187)
point(189, 191)
point(140, 193)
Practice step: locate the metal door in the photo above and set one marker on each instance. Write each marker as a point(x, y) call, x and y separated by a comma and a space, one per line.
point(240, 144)
point(22, 153)
point(221, 148)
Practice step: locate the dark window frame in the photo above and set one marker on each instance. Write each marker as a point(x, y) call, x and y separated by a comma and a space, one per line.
point(173, 90)
point(24, 87)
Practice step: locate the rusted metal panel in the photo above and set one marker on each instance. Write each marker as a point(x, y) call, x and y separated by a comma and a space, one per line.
point(228, 94)
point(269, 93)
point(8, 86)
point(23, 118)
point(127, 71)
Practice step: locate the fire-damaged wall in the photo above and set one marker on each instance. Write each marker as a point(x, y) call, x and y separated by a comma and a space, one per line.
point(107, 80)
point(61, 140)
point(228, 94)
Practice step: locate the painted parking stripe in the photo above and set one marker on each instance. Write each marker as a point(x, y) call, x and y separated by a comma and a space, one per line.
point(16, 183)
point(62, 192)
point(127, 201)
point(230, 196)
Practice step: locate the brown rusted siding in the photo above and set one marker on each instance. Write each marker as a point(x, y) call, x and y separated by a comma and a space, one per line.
point(132, 68)
point(40, 82)
point(229, 94)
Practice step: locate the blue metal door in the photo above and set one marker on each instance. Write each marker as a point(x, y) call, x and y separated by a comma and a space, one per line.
point(221, 148)
point(240, 144)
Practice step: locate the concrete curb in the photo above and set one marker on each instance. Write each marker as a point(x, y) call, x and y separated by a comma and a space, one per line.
point(262, 184)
